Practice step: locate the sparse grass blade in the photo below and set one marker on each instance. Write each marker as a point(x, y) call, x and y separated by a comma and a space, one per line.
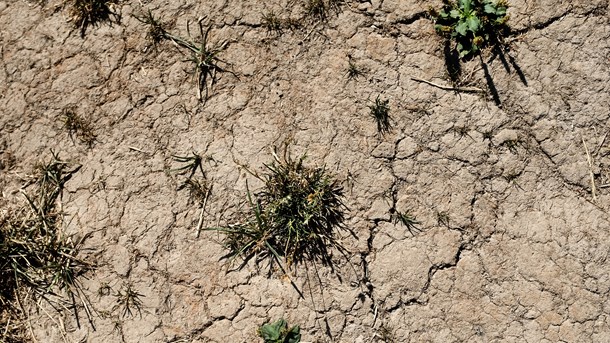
point(408, 220)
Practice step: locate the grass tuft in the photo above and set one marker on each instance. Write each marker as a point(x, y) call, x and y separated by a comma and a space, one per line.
point(38, 261)
point(273, 23)
point(380, 111)
point(293, 219)
point(78, 127)
point(207, 63)
point(204, 57)
point(320, 10)
point(156, 29)
point(129, 300)
point(354, 71)
point(408, 220)
point(87, 13)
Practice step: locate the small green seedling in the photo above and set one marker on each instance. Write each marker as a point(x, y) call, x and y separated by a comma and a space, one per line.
point(87, 13)
point(78, 127)
point(380, 111)
point(129, 299)
point(407, 220)
point(473, 24)
point(205, 58)
point(279, 332)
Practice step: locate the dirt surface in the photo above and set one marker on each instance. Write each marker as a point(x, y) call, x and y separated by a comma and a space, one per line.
point(514, 244)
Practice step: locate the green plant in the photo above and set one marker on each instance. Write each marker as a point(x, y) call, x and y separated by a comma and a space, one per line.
point(129, 299)
point(293, 219)
point(78, 127)
point(380, 111)
point(471, 23)
point(407, 220)
point(278, 332)
point(205, 58)
point(87, 13)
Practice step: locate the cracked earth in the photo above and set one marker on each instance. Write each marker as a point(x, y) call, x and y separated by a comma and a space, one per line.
point(514, 239)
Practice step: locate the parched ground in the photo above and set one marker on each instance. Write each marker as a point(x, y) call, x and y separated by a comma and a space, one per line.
point(514, 244)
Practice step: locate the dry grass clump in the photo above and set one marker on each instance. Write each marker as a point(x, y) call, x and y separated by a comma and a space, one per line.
point(320, 10)
point(78, 127)
point(37, 261)
point(85, 13)
point(157, 30)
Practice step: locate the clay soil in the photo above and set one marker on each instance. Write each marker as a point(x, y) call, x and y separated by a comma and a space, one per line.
point(510, 185)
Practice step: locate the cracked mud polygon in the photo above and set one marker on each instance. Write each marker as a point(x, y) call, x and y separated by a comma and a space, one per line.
point(510, 186)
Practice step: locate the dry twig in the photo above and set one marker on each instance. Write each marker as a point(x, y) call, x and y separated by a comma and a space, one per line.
point(449, 88)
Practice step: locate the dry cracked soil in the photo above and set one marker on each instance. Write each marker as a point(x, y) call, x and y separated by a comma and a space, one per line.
point(510, 186)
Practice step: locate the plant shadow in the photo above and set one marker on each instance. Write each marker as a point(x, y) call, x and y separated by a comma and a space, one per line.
point(452, 62)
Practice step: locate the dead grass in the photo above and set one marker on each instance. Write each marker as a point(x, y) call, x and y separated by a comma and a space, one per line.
point(85, 13)
point(321, 10)
point(37, 260)
point(157, 30)
point(78, 127)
